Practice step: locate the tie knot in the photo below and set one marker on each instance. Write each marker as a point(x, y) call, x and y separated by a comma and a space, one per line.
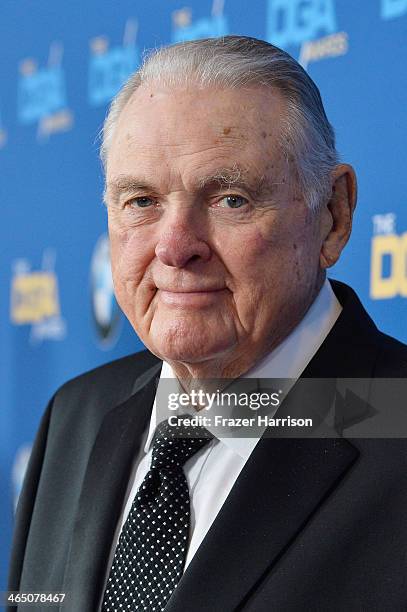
point(174, 445)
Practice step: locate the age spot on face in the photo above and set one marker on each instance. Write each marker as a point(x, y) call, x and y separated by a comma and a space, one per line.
point(227, 130)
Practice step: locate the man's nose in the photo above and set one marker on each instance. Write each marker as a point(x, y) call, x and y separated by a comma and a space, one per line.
point(179, 244)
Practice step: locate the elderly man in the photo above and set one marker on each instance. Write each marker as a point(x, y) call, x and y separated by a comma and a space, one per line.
point(226, 205)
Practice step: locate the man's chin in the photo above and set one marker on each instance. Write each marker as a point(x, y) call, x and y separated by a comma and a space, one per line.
point(190, 339)
point(185, 353)
point(188, 347)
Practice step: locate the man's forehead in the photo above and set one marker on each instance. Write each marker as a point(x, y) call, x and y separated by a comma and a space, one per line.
point(197, 153)
point(227, 112)
point(203, 160)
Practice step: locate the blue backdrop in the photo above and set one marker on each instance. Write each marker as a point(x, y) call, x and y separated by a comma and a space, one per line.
point(61, 64)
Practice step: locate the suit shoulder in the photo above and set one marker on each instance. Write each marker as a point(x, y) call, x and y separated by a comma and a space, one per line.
point(392, 357)
point(110, 381)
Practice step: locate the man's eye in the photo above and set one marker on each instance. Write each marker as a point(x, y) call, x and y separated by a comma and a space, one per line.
point(140, 202)
point(233, 201)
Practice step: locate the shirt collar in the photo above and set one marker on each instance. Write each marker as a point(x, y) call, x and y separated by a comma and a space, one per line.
point(288, 360)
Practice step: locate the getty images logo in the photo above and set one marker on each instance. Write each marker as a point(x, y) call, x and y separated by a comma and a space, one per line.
point(309, 24)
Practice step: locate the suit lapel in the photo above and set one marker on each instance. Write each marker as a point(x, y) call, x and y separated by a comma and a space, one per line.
point(102, 494)
point(281, 486)
point(350, 349)
point(284, 481)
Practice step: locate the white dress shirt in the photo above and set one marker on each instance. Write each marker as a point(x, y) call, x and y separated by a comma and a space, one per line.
point(213, 470)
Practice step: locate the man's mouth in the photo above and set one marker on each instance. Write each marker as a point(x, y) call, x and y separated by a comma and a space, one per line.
point(191, 297)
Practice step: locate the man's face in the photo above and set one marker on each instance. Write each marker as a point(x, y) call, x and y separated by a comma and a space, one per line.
point(215, 255)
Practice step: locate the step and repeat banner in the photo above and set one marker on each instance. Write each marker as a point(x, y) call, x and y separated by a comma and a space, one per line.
point(61, 64)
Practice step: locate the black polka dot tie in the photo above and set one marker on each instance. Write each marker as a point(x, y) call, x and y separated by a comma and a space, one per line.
point(150, 555)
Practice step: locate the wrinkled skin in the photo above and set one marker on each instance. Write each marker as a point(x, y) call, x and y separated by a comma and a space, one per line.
point(214, 272)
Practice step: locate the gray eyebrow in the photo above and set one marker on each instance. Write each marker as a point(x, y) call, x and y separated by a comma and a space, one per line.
point(237, 176)
point(122, 183)
point(224, 177)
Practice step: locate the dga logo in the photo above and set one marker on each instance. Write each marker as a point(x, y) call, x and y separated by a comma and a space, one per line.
point(106, 312)
point(388, 272)
point(3, 134)
point(310, 24)
point(18, 471)
point(185, 29)
point(42, 94)
point(390, 9)
point(35, 299)
point(110, 68)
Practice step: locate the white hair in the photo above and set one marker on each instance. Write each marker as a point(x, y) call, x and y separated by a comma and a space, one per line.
point(237, 61)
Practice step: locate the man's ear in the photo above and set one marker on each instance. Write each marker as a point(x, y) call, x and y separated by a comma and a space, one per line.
point(336, 216)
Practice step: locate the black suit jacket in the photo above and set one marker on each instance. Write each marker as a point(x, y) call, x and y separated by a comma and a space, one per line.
point(310, 524)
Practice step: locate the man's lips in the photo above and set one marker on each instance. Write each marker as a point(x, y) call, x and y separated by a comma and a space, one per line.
point(192, 290)
point(190, 297)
